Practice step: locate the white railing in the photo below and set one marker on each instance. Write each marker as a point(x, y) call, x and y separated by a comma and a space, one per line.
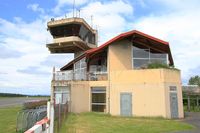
point(70, 75)
point(96, 76)
point(64, 75)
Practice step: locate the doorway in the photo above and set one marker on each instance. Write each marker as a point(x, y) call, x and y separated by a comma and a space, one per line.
point(126, 104)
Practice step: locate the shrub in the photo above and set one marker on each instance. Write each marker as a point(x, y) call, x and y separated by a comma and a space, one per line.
point(157, 65)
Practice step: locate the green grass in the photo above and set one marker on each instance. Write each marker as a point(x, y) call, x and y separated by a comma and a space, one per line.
point(8, 117)
point(192, 109)
point(101, 123)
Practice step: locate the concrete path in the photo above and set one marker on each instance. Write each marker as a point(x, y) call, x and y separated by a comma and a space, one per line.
point(5, 102)
point(194, 119)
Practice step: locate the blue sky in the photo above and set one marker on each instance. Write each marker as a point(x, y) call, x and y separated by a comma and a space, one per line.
point(26, 64)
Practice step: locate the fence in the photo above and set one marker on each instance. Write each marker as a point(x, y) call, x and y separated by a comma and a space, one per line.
point(191, 98)
point(27, 118)
point(70, 75)
point(41, 126)
point(60, 113)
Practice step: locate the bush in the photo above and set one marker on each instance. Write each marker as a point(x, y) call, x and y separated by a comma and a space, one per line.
point(34, 104)
point(157, 65)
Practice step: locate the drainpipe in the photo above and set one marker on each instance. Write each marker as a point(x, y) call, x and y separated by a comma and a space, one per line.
point(109, 83)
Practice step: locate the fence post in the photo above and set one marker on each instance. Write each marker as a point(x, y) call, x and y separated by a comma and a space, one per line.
point(51, 117)
point(188, 103)
point(48, 115)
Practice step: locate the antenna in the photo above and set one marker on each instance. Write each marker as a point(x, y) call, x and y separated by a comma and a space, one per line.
point(79, 13)
point(92, 21)
point(73, 7)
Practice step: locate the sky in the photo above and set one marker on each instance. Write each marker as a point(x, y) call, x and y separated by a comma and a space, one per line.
point(26, 64)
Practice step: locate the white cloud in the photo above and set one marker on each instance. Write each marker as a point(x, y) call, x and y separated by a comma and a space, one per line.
point(63, 3)
point(28, 39)
point(108, 17)
point(181, 29)
point(35, 8)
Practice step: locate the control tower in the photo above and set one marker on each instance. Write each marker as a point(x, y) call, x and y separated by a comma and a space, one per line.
point(71, 35)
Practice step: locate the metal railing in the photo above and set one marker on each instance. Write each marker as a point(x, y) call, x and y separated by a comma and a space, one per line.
point(64, 75)
point(89, 76)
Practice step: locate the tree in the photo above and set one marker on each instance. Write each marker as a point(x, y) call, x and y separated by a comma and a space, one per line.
point(194, 80)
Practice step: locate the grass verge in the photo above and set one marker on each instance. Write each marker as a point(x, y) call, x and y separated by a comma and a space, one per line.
point(101, 123)
point(8, 116)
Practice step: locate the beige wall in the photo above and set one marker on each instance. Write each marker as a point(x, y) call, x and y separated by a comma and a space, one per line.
point(80, 96)
point(149, 87)
point(150, 91)
point(119, 56)
point(173, 78)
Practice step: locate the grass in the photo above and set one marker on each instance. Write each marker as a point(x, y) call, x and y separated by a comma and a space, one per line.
point(102, 123)
point(8, 117)
point(192, 108)
point(157, 65)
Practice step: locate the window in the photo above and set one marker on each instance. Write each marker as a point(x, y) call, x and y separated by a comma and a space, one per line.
point(172, 88)
point(98, 99)
point(143, 57)
point(61, 95)
point(80, 70)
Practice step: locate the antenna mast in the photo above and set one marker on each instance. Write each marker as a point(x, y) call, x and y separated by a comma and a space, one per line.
point(73, 7)
point(92, 21)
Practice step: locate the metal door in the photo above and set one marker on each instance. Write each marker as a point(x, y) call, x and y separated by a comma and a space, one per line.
point(126, 104)
point(174, 105)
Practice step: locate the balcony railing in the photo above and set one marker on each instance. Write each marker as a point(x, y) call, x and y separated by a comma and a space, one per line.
point(64, 75)
point(89, 76)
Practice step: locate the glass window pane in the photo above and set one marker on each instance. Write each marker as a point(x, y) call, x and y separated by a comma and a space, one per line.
point(162, 61)
point(99, 98)
point(140, 53)
point(158, 55)
point(138, 63)
point(98, 108)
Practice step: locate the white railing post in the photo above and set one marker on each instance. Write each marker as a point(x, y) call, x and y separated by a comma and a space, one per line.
point(48, 116)
point(51, 117)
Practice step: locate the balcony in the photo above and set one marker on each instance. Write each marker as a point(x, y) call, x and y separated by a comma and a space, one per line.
point(69, 45)
point(69, 75)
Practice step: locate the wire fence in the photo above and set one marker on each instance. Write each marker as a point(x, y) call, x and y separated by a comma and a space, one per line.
point(60, 113)
point(28, 117)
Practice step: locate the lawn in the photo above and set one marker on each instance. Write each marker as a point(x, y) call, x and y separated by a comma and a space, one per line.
point(8, 117)
point(101, 123)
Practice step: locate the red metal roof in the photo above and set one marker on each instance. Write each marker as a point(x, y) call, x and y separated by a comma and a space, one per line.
point(123, 35)
point(117, 38)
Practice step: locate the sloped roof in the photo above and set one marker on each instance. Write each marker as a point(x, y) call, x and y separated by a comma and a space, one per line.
point(121, 36)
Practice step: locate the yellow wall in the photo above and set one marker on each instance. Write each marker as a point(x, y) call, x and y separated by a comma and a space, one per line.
point(149, 87)
point(173, 78)
point(120, 56)
point(80, 96)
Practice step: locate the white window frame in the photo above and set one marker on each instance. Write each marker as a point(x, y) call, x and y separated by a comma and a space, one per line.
point(149, 57)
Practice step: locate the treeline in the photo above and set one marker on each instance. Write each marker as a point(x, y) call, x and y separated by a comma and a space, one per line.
point(20, 95)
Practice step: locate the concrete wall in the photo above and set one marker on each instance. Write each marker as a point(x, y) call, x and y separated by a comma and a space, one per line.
point(150, 91)
point(81, 94)
point(173, 78)
point(119, 56)
point(149, 87)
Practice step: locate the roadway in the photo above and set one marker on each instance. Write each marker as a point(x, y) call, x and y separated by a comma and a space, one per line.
point(15, 101)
